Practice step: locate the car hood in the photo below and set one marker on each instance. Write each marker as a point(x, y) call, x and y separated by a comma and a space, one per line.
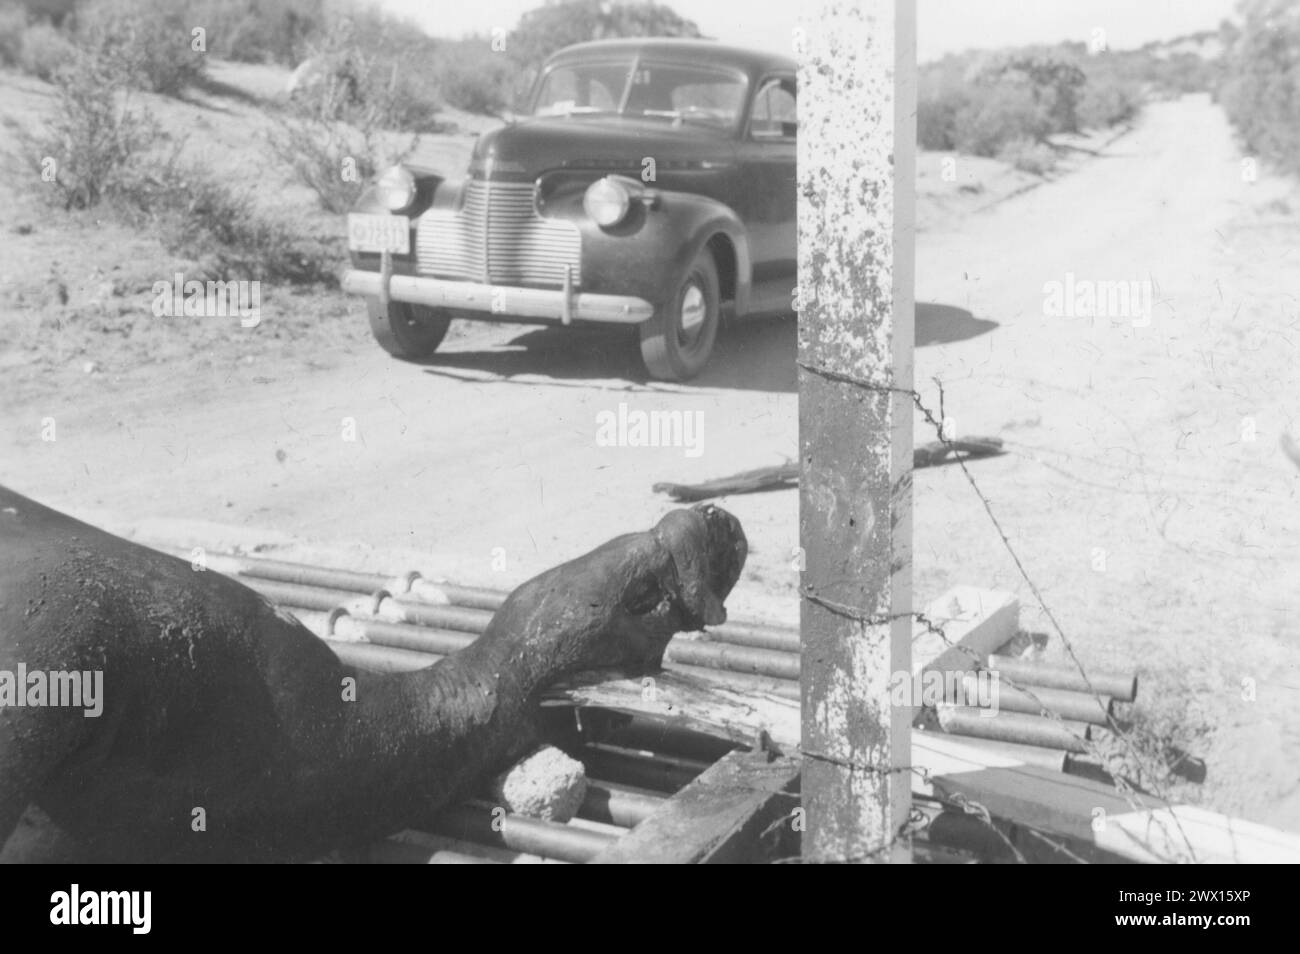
point(533, 147)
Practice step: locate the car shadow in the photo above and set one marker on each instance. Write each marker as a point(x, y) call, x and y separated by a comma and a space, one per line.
point(756, 354)
point(946, 324)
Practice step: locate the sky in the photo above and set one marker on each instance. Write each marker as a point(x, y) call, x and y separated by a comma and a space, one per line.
point(944, 26)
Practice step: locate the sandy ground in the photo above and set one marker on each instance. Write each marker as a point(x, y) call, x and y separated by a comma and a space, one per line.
point(1127, 440)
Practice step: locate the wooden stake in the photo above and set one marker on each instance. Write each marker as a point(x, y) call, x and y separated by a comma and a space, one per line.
point(856, 167)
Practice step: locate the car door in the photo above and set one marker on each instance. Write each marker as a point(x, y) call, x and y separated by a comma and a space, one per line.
point(767, 160)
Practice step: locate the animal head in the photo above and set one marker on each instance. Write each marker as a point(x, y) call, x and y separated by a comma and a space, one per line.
point(674, 580)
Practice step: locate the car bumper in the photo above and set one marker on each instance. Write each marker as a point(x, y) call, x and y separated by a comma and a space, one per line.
point(498, 302)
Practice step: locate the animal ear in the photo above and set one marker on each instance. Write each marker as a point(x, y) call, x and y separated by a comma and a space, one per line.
point(685, 534)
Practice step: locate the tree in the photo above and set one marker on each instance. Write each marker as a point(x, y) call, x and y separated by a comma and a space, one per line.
point(555, 25)
point(1055, 84)
point(1262, 92)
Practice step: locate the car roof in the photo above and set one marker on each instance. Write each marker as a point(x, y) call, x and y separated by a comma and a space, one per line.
point(683, 50)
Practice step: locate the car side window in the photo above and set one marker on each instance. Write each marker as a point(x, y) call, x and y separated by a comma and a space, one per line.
point(774, 115)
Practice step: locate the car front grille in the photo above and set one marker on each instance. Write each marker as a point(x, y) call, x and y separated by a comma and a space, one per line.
point(496, 237)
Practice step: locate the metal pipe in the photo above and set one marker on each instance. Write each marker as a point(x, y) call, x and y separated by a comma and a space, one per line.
point(436, 642)
point(305, 597)
point(695, 657)
point(1014, 727)
point(399, 647)
point(283, 571)
point(461, 618)
point(658, 773)
point(379, 658)
point(1077, 706)
point(646, 733)
point(739, 633)
point(484, 824)
point(606, 802)
point(1107, 683)
point(761, 662)
point(758, 635)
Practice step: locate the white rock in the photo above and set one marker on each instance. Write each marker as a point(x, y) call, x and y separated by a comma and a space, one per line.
point(546, 784)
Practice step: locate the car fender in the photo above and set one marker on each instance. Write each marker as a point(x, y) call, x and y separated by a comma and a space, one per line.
point(647, 253)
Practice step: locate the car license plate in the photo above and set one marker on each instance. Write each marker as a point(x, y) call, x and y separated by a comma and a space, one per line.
point(379, 233)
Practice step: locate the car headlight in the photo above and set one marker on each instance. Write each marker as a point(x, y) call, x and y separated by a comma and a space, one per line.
point(396, 188)
point(606, 201)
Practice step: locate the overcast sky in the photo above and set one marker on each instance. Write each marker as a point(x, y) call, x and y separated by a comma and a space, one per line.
point(944, 25)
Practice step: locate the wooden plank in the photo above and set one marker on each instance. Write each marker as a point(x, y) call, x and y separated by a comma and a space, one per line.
point(999, 778)
point(974, 623)
point(856, 156)
point(719, 818)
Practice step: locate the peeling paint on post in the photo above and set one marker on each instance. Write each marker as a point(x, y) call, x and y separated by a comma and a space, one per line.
point(857, 95)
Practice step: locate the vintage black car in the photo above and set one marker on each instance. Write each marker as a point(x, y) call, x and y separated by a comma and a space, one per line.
point(651, 184)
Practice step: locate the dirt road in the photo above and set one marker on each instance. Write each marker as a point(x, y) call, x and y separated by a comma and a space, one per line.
point(1159, 532)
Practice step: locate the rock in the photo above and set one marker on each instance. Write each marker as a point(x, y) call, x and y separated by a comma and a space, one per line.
point(546, 784)
point(90, 367)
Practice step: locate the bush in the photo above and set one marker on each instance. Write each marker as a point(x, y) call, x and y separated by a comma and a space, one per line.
point(936, 118)
point(44, 51)
point(1261, 91)
point(94, 135)
point(147, 42)
point(1004, 114)
point(261, 31)
point(203, 218)
point(13, 24)
point(1026, 155)
point(471, 76)
point(207, 219)
point(343, 109)
point(1108, 103)
point(319, 151)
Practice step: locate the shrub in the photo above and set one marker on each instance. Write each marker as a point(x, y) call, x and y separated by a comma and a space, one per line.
point(261, 31)
point(44, 51)
point(94, 135)
point(1261, 91)
point(210, 220)
point(147, 42)
point(342, 113)
point(471, 76)
point(319, 151)
point(203, 218)
point(1108, 103)
point(936, 118)
point(1026, 155)
point(13, 24)
point(1005, 113)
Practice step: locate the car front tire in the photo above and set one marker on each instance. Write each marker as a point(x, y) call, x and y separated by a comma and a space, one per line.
point(676, 343)
point(406, 331)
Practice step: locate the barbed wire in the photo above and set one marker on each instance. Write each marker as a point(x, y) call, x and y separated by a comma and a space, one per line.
point(936, 423)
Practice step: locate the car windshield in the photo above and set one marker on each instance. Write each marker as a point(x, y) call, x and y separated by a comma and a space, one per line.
point(674, 92)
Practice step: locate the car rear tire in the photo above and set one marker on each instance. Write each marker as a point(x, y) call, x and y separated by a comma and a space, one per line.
point(676, 343)
point(406, 331)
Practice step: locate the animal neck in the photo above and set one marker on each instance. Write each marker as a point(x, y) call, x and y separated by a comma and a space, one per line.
point(425, 736)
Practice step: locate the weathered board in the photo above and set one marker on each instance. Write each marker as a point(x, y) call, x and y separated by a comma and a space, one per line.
point(730, 814)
